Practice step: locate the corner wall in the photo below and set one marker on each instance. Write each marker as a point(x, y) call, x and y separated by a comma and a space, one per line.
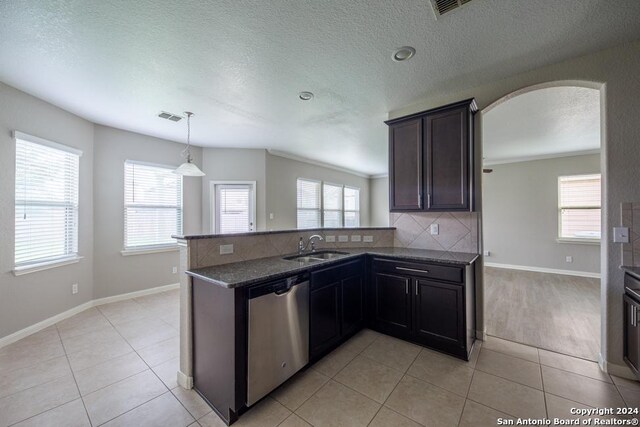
point(521, 215)
point(114, 273)
point(282, 174)
point(379, 201)
point(31, 298)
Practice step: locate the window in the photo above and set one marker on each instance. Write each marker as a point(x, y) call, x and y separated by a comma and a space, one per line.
point(46, 201)
point(331, 205)
point(308, 203)
point(351, 207)
point(327, 205)
point(152, 205)
point(234, 207)
point(579, 207)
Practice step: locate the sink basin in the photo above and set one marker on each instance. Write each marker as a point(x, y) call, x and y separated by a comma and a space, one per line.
point(327, 255)
point(302, 258)
point(315, 256)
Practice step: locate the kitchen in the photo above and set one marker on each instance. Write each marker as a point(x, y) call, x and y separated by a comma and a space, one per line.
point(317, 259)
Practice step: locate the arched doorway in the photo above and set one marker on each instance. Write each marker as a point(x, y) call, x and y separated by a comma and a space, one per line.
point(541, 282)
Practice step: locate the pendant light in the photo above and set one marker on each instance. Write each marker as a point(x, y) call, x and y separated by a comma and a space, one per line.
point(188, 168)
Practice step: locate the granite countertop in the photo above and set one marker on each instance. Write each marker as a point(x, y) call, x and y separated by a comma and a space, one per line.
point(259, 233)
point(245, 273)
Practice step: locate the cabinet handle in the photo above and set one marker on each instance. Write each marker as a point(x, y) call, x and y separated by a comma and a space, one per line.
point(416, 288)
point(420, 200)
point(414, 270)
point(428, 200)
point(406, 288)
point(634, 316)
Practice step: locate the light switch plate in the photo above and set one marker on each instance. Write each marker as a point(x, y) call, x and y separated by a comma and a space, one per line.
point(487, 253)
point(367, 239)
point(621, 234)
point(434, 229)
point(569, 258)
point(356, 238)
point(330, 239)
point(343, 239)
point(226, 249)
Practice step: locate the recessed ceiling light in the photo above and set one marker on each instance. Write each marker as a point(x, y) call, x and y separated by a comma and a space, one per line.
point(305, 96)
point(403, 53)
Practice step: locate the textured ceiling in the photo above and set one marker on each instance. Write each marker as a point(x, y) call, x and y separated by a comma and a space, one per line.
point(542, 123)
point(239, 65)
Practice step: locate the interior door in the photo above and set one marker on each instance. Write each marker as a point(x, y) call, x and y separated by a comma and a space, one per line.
point(234, 208)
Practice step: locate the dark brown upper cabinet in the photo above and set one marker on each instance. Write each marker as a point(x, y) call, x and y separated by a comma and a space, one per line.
point(431, 159)
point(405, 165)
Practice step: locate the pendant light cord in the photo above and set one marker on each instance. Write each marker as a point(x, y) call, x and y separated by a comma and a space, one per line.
point(186, 153)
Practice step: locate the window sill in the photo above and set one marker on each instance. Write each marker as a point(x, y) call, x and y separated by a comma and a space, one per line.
point(32, 268)
point(149, 250)
point(595, 242)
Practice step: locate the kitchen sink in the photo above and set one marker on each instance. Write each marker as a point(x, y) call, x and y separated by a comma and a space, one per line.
point(316, 256)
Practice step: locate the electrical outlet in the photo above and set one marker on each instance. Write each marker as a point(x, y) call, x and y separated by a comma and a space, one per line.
point(74, 288)
point(569, 258)
point(226, 249)
point(487, 253)
point(434, 229)
point(271, 216)
point(356, 238)
point(329, 239)
point(343, 239)
point(174, 270)
point(367, 239)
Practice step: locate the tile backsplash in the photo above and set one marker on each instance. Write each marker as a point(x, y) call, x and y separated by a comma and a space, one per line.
point(458, 231)
point(206, 251)
point(631, 219)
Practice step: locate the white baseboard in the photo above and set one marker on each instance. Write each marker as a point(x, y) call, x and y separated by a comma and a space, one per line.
point(185, 381)
point(543, 270)
point(23, 333)
point(136, 294)
point(481, 335)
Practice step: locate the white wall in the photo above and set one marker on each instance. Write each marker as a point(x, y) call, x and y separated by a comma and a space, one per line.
point(33, 297)
point(520, 212)
point(379, 202)
point(282, 174)
point(615, 72)
point(114, 273)
point(233, 164)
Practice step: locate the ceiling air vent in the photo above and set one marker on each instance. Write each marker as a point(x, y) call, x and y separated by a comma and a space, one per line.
point(169, 116)
point(440, 7)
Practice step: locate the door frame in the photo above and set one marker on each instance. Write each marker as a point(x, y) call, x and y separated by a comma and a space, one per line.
point(212, 198)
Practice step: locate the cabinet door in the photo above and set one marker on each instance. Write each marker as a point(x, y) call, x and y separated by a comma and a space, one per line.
point(324, 318)
point(405, 166)
point(446, 159)
point(632, 334)
point(439, 315)
point(392, 304)
point(352, 305)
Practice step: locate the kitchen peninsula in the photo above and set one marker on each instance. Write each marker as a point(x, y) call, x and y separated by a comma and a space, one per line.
point(257, 320)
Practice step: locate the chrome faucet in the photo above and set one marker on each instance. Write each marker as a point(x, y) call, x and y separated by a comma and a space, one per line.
point(302, 247)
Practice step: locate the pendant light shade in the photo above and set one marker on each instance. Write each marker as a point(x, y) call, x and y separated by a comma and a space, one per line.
point(188, 168)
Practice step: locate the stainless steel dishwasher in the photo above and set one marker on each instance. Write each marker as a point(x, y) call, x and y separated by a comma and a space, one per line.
point(278, 334)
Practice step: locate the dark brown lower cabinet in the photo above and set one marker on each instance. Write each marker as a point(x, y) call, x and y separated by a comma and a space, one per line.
point(429, 304)
point(336, 306)
point(439, 314)
point(632, 334)
point(392, 304)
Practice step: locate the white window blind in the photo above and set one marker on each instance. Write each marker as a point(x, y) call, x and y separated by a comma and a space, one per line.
point(332, 205)
point(351, 207)
point(579, 206)
point(233, 208)
point(308, 196)
point(152, 205)
point(46, 201)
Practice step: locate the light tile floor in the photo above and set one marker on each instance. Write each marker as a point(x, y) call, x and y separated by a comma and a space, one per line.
point(115, 365)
